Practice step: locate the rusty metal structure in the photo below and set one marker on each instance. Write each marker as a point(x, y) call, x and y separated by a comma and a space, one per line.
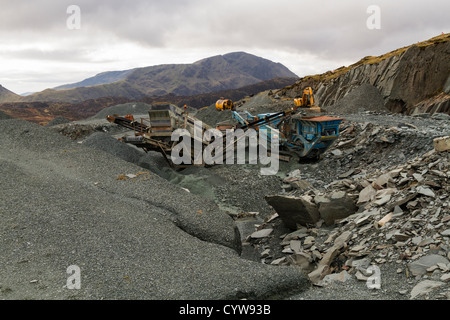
point(300, 135)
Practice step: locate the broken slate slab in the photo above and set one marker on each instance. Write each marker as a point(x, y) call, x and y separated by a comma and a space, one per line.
point(318, 199)
point(303, 260)
point(278, 261)
point(399, 236)
point(367, 194)
point(300, 184)
point(440, 116)
point(394, 173)
point(363, 220)
point(383, 179)
point(418, 177)
point(402, 201)
point(347, 174)
point(342, 240)
point(295, 235)
point(323, 267)
point(425, 287)
point(330, 278)
point(426, 191)
point(445, 277)
point(441, 144)
point(420, 266)
point(296, 246)
point(383, 200)
point(361, 264)
point(385, 219)
point(340, 206)
point(294, 211)
point(261, 233)
point(426, 242)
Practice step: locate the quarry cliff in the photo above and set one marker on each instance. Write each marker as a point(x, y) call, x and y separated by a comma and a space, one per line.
point(414, 79)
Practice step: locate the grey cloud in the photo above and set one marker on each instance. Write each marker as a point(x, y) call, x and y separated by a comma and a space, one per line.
point(51, 55)
point(324, 27)
point(330, 30)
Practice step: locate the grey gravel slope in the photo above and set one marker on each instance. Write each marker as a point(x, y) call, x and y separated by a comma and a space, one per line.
point(139, 238)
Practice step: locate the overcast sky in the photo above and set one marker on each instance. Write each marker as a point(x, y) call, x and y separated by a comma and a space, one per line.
point(42, 47)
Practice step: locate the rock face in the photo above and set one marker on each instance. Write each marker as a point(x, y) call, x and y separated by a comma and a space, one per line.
point(295, 210)
point(409, 80)
point(339, 206)
point(303, 211)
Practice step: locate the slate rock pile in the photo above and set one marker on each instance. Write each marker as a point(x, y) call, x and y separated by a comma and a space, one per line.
point(103, 141)
point(57, 121)
point(364, 147)
point(134, 108)
point(399, 216)
point(365, 97)
point(211, 116)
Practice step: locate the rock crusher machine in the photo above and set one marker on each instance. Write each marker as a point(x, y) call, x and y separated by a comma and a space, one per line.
point(300, 135)
point(155, 132)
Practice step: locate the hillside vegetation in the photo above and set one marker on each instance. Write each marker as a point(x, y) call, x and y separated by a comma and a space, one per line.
point(413, 79)
point(223, 72)
point(369, 60)
point(7, 95)
point(43, 112)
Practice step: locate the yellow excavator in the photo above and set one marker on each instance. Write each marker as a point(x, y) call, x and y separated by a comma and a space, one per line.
point(307, 100)
point(224, 104)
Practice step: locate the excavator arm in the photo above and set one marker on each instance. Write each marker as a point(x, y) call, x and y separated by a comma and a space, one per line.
point(306, 100)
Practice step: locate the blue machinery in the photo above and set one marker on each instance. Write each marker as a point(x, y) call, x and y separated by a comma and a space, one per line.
point(305, 136)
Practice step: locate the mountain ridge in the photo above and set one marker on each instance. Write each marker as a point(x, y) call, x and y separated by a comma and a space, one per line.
point(43, 112)
point(100, 78)
point(222, 72)
point(6, 95)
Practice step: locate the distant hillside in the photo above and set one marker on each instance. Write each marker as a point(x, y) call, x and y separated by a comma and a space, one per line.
point(101, 78)
point(223, 72)
point(6, 95)
point(43, 112)
point(206, 99)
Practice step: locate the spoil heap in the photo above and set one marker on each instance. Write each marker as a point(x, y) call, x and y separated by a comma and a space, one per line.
point(398, 216)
